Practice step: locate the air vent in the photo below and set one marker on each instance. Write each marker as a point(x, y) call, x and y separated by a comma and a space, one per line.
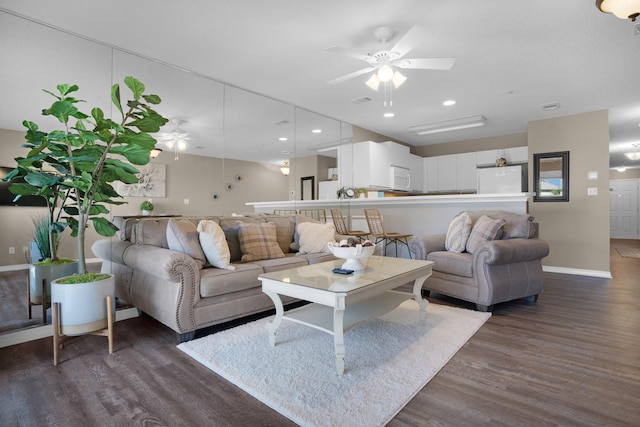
point(362, 100)
point(281, 122)
point(551, 106)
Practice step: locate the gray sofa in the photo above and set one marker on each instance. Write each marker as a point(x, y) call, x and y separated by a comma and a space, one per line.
point(182, 293)
point(499, 270)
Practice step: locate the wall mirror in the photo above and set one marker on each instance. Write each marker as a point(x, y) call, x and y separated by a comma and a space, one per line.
point(551, 177)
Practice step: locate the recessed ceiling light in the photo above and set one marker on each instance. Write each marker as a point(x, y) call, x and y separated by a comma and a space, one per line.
point(317, 131)
point(282, 138)
point(389, 114)
point(449, 102)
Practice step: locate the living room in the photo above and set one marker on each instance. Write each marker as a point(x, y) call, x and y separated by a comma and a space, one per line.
point(577, 231)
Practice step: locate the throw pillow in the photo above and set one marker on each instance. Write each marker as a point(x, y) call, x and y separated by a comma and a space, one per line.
point(258, 241)
point(295, 246)
point(458, 233)
point(314, 237)
point(214, 244)
point(182, 236)
point(484, 229)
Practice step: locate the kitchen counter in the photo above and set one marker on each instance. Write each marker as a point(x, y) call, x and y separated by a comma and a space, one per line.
point(420, 215)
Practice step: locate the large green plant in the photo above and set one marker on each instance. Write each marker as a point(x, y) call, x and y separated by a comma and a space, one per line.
point(76, 166)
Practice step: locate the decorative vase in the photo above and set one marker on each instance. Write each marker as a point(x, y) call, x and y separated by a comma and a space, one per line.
point(47, 273)
point(82, 306)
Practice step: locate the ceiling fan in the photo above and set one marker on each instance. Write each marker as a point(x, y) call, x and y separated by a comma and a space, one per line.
point(176, 139)
point(386, 62)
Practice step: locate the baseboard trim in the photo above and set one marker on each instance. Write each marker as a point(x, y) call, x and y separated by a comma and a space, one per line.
point(577, 272)
point(37, 332)
point(16, 267)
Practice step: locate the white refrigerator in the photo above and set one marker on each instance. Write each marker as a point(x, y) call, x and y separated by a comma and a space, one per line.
point(506, 179)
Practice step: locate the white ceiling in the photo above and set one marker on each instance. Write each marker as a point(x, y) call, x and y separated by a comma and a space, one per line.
point(512, 56)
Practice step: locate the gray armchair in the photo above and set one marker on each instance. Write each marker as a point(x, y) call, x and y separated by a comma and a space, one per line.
point(498, 270)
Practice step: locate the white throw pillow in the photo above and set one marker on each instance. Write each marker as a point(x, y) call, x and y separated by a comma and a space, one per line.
point(214, 244)
point(458, 233)
point(315, 236)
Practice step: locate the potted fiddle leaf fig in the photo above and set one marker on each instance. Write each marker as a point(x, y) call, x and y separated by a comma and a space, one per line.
point(78, 165)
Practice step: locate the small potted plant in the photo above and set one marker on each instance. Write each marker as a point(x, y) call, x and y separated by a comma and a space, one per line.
point(146, 207)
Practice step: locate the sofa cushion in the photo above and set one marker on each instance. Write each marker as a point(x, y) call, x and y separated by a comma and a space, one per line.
point(214, 244)
point(296, 237)
point(289, 261)
point(484, 229)
point(215, 281)
point(182, 236)
point(452, 263)
point(285, 228)
point(313, 237)
point(258, 241)
point(230, 227)
point(458, 233)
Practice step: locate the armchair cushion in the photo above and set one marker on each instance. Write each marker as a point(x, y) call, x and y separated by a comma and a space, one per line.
point(458, 233)
point(484, 229)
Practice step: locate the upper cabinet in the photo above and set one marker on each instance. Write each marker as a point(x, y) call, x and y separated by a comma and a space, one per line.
point(373, 162)
point(512, 155)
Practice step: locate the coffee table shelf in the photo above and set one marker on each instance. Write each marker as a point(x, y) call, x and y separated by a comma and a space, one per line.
point(321, 316)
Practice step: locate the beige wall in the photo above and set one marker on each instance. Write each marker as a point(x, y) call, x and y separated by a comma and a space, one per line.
point(578, 230)
point(628, 174)
point(470, 145)
point(195, 178)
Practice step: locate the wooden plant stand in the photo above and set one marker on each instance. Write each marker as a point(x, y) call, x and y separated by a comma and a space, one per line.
point(44, 300)
point(59, 339)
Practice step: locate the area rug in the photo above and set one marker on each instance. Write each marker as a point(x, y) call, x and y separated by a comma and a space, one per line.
point(629, 252)
point(388, 360)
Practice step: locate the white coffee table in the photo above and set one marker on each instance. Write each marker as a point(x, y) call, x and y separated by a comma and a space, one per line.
point(339, 302)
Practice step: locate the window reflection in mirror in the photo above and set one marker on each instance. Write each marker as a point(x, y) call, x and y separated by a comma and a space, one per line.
point(551, 177)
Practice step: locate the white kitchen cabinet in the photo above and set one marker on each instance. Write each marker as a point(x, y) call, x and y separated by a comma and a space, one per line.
point(371, 167)
point(417, 173)
point(431, 174)
point(517, 155)
point(447, 172)
point(486, 157)
point(466, 171)
point(328, 190)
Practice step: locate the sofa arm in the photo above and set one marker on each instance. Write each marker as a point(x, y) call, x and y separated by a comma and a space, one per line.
point(497, 252)
point(110, 249)
point(421, 246)
point(161, 262)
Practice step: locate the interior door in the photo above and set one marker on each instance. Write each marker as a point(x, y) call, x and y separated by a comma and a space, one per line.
point(623, 215)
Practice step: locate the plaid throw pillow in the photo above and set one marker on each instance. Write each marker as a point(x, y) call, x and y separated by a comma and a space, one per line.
point(484, 229)
point(258, 241)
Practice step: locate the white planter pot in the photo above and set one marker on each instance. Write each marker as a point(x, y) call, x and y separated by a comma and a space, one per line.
point(38, 273)
point(82, 306)
point(146, 212)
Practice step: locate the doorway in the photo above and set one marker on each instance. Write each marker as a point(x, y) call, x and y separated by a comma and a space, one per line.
point(623, 205)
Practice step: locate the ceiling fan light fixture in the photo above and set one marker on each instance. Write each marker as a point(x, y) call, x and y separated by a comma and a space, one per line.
point(385, 73)
point(155, 152)
point(373, 82)
point(623, 9)
point(398, 79)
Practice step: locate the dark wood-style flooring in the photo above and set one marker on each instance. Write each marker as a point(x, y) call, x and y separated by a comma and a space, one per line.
point(571, 359)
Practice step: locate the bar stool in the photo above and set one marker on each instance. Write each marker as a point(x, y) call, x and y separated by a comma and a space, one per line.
point(376, 228)
point(341, 226)
point(317, 214)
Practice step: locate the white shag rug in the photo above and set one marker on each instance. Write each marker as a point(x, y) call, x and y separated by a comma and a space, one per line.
point(388, 360)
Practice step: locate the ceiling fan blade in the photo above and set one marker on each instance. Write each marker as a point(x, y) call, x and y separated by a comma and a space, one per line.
point(351, 75)
point(410, 40)
point(426, 63)
point(348, 52)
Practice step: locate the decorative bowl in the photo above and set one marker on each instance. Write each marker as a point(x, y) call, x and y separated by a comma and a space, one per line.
point(352, 254)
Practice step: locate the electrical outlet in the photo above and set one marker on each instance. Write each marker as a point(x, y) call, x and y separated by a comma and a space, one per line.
point(592, 191)
point(186, 201)
point(12, 250)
